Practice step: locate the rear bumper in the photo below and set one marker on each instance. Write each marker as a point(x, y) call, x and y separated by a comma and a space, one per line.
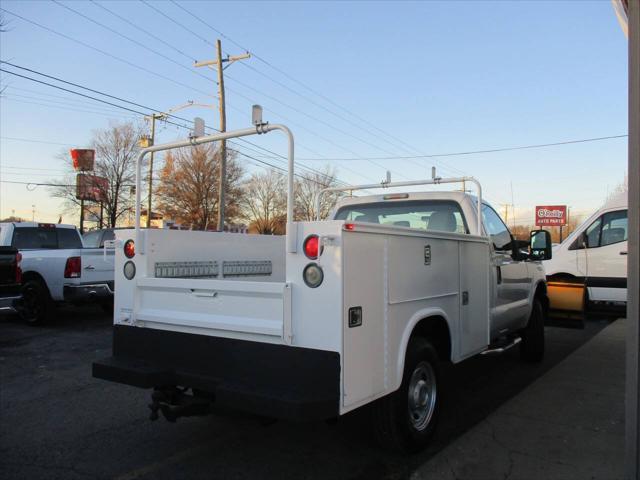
point(271, 380)
point(87, 292)
point(9, 304)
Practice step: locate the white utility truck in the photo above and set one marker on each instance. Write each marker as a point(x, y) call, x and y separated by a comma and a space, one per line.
point(358, 310)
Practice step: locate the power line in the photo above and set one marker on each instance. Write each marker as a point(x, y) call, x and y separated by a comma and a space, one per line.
point(120, 99)
point(307, 87)
point(116, 105)
point(67, 108)
point(103, 52)
point(137, 27)
point(30, 140)
point(492, 150)
point(37, 184)
point(155, 52)
point(130, 63)
point(275, 99)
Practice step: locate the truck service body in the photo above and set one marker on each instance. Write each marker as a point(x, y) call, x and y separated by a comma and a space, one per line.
point(338, 314)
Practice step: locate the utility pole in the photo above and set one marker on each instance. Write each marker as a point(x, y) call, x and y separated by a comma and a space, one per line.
point(148, 141)
point(506, 213)
point(223, 120)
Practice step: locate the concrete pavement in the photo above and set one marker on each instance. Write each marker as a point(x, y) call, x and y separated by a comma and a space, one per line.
point(568, 424)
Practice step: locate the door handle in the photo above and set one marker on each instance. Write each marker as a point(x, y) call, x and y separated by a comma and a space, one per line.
point(89, 267)
point(623, 253)
point(499, 275)
point(203, 293)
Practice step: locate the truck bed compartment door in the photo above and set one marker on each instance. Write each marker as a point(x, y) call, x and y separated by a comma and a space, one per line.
point(475, 288)
point(251, 310)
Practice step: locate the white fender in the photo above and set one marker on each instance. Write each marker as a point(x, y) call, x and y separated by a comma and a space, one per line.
point(402, 349)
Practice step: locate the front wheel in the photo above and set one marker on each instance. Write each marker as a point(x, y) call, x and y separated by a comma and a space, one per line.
point(406, 419)
point(532, 345)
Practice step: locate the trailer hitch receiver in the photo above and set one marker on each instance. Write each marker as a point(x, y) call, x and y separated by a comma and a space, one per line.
point(174, 403)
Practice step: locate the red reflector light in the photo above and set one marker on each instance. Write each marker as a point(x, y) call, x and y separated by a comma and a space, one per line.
point(349, 226)
point(18, 268)
point(129, 248)
point(73, 267)
point(310, 246)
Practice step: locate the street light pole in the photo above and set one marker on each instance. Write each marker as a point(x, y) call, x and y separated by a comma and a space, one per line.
point(154, 116)
point(148, 141)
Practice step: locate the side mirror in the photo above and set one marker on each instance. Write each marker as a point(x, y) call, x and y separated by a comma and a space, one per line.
point(540, 245)
point(519, 249)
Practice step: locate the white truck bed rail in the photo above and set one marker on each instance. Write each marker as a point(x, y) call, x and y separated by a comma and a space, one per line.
point(389, 184)
point(258, 129)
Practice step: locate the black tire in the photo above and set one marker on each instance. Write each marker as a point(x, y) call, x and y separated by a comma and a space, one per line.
point(107, 307)
point(532, 345)
point(36, 305)
point(394, 422)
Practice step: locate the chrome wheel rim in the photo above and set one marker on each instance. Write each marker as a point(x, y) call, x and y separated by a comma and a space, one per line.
point(422, 395)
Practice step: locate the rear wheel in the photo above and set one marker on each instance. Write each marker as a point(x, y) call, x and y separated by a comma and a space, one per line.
point(36, 302)
point(532, 345)
point(406, 419)
point(107, 307)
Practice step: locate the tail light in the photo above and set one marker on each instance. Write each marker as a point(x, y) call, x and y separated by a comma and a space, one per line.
point(313, 275)
point(18, 268)
point(129, 248)
point(349, 226)
point(73, 267)
point(310, 246)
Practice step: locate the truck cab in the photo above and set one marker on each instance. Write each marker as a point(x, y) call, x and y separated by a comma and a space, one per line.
point(512, 272)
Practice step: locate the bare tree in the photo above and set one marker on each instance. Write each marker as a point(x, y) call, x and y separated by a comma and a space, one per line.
point(265, 202)
point(308, 187)
point(188, 189)
point(116, 151)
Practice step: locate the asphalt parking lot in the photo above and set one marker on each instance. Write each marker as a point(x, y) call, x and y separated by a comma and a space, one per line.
point(56, 421)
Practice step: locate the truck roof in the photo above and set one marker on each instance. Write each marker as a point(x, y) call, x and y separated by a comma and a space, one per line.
point(38, 224)
point(459, 197)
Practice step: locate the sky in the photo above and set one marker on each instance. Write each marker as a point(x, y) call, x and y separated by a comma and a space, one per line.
point(362, 85)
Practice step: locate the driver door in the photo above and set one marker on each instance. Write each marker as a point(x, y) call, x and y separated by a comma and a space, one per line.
point(511, 281)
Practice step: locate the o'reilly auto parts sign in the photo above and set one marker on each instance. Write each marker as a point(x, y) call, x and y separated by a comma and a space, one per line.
point(551, 215)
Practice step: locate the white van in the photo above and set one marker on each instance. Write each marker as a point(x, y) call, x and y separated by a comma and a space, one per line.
point(595, 254)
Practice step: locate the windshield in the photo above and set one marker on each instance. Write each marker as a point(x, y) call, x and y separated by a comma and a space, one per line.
point(432, 215)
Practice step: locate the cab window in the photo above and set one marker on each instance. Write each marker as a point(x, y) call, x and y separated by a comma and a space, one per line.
point(68, 238)
point(495, 227)
point(430, 215)
point(25, 238)
point(614, 228)
point(608, 229)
